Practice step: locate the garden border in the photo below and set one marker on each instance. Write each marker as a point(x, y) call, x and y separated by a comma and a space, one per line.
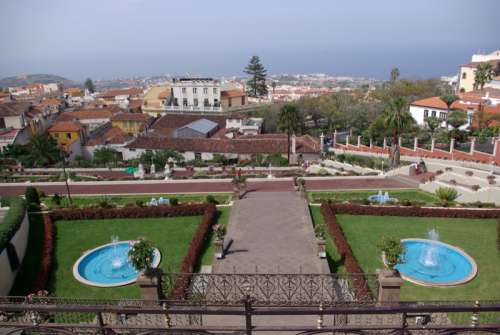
point(46, 260)
point(208, 212)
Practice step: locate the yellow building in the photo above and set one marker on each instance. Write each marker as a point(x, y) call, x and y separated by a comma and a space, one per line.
point(66, 133)
point(132, 123)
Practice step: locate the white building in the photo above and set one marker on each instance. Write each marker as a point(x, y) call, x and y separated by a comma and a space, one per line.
point(422, 109)
point(195, 95)
point(467, 72)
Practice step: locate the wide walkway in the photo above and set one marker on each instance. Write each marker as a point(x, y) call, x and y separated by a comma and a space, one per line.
point(271, 232)
point(150, 187)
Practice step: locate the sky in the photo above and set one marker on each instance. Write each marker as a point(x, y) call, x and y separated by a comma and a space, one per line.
point(105, 39)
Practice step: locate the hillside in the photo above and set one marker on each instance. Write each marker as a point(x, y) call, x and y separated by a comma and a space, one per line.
point(33, 78)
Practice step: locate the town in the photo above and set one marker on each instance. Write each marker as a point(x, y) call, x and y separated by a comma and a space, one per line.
point(260, 200)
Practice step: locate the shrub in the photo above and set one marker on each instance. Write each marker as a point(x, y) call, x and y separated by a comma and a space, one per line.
point(220, 231)
point(438, 172)
point(12, 220)
point(56, 199)
point(320, 230)
point(448, 169)
point(211, 199)
point(323, 172)
point(446, 195)
point(475, 187)
point(453, 182)
point(106, 204)
point(469, 173)
point(393, 251)
point(32, 196)
point(139, 203)
point(173, 201)
point(141, 255)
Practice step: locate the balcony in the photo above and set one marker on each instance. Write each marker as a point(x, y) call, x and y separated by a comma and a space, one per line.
point(188, 109)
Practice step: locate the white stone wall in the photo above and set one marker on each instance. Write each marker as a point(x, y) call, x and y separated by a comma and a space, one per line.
point(418, 114)
point(486, 194)
point(20, 242)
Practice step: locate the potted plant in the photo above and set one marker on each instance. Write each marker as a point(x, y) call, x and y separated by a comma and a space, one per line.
point(392, 252)
point(220, 232)
point(141, 256)
point(320, 231)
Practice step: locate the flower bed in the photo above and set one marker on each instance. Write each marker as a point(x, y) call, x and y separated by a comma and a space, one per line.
point(358, 280)
point(47, 257)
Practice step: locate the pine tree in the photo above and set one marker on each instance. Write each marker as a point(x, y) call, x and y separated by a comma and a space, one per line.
point(89, 85)
point(256, 85)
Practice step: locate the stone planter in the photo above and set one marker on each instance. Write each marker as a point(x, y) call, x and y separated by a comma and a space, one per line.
point(149, 287)
point(389, 282)
point(321, 247)
point(219, 249)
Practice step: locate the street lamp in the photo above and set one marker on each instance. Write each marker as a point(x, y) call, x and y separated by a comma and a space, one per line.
point(64, 157)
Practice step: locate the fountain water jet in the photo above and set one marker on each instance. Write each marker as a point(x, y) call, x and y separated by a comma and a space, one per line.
point(430, 255)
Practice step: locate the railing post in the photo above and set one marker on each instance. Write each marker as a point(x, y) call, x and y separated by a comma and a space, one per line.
point(475, 316)
point(248, 314)
point(100, 321)
point(404, 323)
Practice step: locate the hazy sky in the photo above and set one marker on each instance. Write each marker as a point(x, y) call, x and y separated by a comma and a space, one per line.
point(117, 38)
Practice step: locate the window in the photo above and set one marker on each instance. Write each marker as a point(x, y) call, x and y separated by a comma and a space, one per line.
point(183, 90)
point(194, 90)
point(216, 103)
point(442, 115)
point(197, 156)
point(426, 114)
point(230, 102)
point(68, 135)
point(2, 123)
point(176, 102)
point(433, 113)
point(195, 102)
point(185, 102)
point(205, 102)
point(205, 90)
point(215, 90)
point(464, 75)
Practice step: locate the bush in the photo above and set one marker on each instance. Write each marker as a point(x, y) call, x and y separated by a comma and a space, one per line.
point(173, 201)
point(475, 187)
point(453, 182)
point(141, 255)
point(12, 220)
point(32, 196)
point(469, 173)
point(139, 203)
point(211, 199)
point(438, 172)
point(448, 169)
point(446, 195)
point(56, 199)
point(393, 251)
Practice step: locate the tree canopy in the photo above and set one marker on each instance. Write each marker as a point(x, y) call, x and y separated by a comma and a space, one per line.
point(484, 74)
point(89, 85)
point(41, 150)
point(256, 85)
point(290, 122)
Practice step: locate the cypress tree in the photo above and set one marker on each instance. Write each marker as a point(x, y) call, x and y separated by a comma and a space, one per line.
point(256, 85)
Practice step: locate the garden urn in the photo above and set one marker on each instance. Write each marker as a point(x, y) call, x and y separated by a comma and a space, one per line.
point(219, 248)
point(321, 247)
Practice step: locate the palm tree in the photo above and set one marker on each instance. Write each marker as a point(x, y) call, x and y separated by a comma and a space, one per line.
point(483, 119)
point(484, 74)
point(394, 74)
point(289, 121)
point(397, 120)
point(433, 123)
point(448, 99)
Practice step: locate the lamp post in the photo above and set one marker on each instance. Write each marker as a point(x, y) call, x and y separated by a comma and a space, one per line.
point(64, 156)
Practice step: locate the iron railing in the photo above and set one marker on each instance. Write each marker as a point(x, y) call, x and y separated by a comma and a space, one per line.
point(270, 289)
point(44, 315)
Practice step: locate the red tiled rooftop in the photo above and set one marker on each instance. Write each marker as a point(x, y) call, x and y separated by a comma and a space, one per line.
point(140, 117)
point(134, 91)
point(113, 135)
point(232, 94)
point(62, 126)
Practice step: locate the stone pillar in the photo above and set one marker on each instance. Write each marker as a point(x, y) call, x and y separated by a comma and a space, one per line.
point(400, 140)
point(334, 139)
point(321, 143)
point(359, 141)
point(496, 152)
point(294, 144)
point(452, 145)
point(385, 142)
point(415, 144)
point(149, 287)
point(389, 287)
point(371, 143)
point(347, 140)
point(433, 144)
point(472, 145)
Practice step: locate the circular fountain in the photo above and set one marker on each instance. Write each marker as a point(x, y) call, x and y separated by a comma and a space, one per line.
point(108, 265)
point(429, 262)
point(381, 198)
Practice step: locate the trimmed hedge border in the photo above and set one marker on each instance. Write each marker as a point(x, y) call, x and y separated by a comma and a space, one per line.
point(43, 275)
point(465, 213)
point(12, 220)
point(195, 246)
point(193, 253)
point(354, 271)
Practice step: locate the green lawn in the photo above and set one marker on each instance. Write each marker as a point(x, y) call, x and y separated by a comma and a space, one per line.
point(121, 200)
point(412, 195)
point(207, 256)
point(476, 237)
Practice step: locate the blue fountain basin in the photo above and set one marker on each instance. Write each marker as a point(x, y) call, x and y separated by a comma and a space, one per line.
point(380, 198)
point(108, 265)
point(449, 266)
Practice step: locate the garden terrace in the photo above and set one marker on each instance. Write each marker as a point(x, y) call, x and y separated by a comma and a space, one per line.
point(180, 233)
point(356, 233)
point(411, 195)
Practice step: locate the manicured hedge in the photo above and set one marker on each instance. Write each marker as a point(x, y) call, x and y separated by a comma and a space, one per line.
point(465, 213)
point(498, 237)
point(89, 213)
point(43, 275)
point(356, 276)
point(12, 220)
point(193, 253)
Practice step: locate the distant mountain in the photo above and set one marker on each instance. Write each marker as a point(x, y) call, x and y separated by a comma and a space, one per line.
point(34, 78)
